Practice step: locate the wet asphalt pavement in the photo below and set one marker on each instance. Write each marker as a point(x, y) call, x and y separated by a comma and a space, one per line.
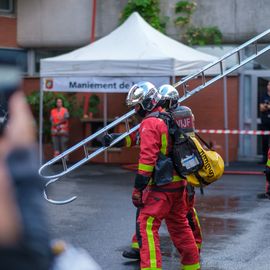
point(234, 222)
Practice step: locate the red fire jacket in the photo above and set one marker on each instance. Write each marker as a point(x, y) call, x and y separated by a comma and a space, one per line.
point(154, 139)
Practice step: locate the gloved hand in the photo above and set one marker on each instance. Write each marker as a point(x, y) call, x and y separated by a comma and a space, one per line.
point(107, 139)
point(137, 197)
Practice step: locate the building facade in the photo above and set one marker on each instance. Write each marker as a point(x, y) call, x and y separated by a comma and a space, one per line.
point(31, 30)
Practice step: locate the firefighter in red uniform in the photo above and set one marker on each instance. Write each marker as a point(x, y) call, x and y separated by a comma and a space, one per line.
point(185, 119)
point(156, 201)
point(169, 101)
point(59, 127)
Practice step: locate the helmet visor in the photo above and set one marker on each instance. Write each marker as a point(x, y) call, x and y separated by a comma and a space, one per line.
point(135, 96)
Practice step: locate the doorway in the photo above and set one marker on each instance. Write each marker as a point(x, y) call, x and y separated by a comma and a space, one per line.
point(252, 87)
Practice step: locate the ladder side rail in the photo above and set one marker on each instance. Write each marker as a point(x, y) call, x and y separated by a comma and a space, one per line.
point(224, 57)
point(228, 71)
point(240, 63)
point(187, 95)
point(53, 201)
point(85, 141)
point(90, 156)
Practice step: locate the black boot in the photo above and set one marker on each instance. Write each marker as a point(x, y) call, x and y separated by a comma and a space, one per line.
point(131, 253)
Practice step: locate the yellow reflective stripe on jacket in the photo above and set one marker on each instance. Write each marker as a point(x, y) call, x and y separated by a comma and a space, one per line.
point(195, 266)
point(135, 245)
point(268, 163)
point(199, 245)
point(164, 144)
point(177, 178)
point(128, 141)
point(146, 168)
point(151, 243)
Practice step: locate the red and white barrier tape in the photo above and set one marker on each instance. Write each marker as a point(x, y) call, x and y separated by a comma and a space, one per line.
point(233, 131)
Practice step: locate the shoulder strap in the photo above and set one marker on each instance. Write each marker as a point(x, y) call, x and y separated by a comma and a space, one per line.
point(201, 181)
point(166, 117)
point(203, 141)
point(174, 129)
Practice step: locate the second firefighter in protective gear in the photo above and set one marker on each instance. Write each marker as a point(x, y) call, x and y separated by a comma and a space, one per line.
point(158, 202)
point(185, 119)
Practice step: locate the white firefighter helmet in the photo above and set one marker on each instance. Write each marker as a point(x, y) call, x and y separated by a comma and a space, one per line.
point(145, 94)
point(170, 94)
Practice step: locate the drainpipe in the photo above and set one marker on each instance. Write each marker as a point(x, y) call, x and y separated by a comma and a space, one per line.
point(92, 39)
point(94, 10)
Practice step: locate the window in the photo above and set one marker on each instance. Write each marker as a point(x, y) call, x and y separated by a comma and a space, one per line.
point(6, 6)
point(40, 54)
point(17, 57)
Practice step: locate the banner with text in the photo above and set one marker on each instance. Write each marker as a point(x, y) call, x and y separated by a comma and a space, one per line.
point(97, 84)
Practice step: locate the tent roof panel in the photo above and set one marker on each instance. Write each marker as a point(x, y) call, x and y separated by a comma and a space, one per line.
point(132, 46)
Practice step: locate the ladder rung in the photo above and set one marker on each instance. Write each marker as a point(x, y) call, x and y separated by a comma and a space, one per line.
point(64, 162)
point(85, 151)
point(238, 57)
point(221, 67)
point(256, 47)
point(203, 78)
point(185, 87)
point(127, 125)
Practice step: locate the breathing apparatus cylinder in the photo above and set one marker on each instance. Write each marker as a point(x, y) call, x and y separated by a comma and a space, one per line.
point(184, 118)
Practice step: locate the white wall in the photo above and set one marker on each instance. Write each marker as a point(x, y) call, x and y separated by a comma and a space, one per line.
point(53, 23)
point(67, 23)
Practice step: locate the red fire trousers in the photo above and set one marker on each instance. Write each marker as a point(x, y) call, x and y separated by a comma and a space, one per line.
point(193, 221)
point(171, 206)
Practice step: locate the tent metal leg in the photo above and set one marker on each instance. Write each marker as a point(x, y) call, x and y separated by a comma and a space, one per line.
point(105, 114)
point(40, 123)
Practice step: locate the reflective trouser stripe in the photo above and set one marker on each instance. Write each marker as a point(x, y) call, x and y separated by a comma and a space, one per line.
point(135, 245)
point(191, 267)
point(199, 245)
point(146, 168)
point(177, 178)
point(151, 268)
point(151, 243)
point(197, 218)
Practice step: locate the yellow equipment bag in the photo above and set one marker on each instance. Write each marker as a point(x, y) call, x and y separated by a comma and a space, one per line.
point(212, 170)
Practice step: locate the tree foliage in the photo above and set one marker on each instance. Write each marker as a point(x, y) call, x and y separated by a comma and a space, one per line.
point(203, 36)
point(148, 9)
point(195, 35)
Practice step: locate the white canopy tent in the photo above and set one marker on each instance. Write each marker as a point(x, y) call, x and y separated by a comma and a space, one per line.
point(133, 49)
point(133, 52)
